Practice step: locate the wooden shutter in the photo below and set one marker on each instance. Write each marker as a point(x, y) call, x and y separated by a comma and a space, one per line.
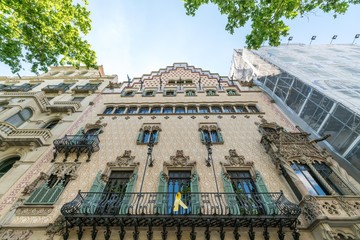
point(93, 196)
point(195, 198)
point(157, 136)
point(45, 195)
point(127, 197)
point(202, 137)
point(221, 140)
point(140, 137)
point(162, 195)
point(230, 195)
point(266, 199)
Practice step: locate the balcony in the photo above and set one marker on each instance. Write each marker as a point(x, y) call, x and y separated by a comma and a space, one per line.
point(206, 210)
point(23, 137)
point(345, 209)
point(22, 88)
point(76, 144)
point(56, 88)
point(87, 88)
point(64, 106)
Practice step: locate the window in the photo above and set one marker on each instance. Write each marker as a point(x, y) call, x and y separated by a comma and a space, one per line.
point(144, 110)
point(117, 182)
point(228, 109)
point(7, 164)
point(78, 99)
point(191, 109)
point(210, 134)
point(182, 181)
point(215, 109)
point(307, 177)
point(190, 93)
point(231, 92)
point(167, 110)
point(241, 109)
point(108, 110)
point(51, 125)
point(155, 110)
point(203, 109)
point(253, 109)
point(51, 187)
point(148, 133)
point(169, 93)
point(210, 93)
point(120, 110)
point(132, 110)
point(128, 93)
point(179, 110)
point(19, 118)
point(242, 181)
point(149, 93)
point(21, 88)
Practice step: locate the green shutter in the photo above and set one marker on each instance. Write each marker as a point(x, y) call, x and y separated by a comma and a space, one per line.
point(221, 140)
point(127, 197)
point(230, 196)
point(157, 136)
point(123, 93)
point(162, 199)
point(93, 197)
point(195, 198)
point(266, 199)
point(202, 137)
point(45, 195)
point(140, 137)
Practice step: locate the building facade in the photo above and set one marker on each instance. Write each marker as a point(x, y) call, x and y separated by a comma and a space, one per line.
point(317, 86)
point(180, 153)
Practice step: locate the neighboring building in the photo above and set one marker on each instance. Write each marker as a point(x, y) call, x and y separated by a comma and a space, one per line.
point(182, 153)
point(317, 86)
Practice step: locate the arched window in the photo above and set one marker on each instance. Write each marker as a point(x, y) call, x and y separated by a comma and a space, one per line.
point(211, 136)
point(50, 125)
point(148, 134)
point(6, 165)
point(20, 117)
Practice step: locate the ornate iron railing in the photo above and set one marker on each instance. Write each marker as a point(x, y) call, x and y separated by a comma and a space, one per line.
point(86, 88)
point(76, 144)
point(254, 209)
point(56, 88)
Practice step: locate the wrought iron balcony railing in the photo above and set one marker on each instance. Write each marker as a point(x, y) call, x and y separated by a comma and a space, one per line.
point(229, 209)
point(76, 144)
point(56, 88)
point(86, 88)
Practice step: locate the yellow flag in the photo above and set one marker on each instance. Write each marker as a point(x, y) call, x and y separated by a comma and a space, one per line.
point(178, 202)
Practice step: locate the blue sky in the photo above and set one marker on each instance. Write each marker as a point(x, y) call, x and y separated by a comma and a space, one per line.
point(137, 37)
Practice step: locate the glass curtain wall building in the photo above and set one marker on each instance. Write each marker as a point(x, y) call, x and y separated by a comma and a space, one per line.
point(316, 85)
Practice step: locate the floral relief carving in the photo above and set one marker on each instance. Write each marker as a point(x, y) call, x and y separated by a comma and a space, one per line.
point(126, 160)
point(31, 187)
point(33, 211)
point(236, 160)
point(348, 207)
point(11, 234)
point(179, 160)
point(311, 208)
point(331, 207)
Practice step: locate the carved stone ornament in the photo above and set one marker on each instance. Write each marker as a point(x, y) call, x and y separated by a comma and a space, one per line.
point(56, 228)
point(209, 127)
point(179, 160)
point(234, 159)
point(11, 234)
point(151, 128)
point(28, 210)
point(62, 169)
point(126, 160)
point(311, 208)
point(90, 126)
point(31, 187)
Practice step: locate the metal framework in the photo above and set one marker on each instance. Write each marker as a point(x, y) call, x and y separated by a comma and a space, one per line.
point(76, 144)
point(86, 88)
point(205, 210)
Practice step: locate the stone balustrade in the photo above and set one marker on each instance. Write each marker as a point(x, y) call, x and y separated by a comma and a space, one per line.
point(64, 106)
point(344, 208)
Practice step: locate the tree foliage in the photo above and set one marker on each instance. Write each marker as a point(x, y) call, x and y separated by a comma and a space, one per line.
point(267, 16)
point(44, 33)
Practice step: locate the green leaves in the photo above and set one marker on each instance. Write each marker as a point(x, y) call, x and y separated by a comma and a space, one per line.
point(267, 16)
point(44, 33)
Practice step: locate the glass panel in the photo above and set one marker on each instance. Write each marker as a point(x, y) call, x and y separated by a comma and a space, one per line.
point(155, 110)
point(146, 137)
point(132, 110)
point(241, 109)
point(26, 114)
point(108, 110)
point(309, 181)
point(15, 120)
point(120, 110)
point(204, 109)
point(7, 164)
point(228, 109)
point(215, 109)
point(191, 109)
point(295, 100)
point(179, 181)
point(253, 109)
point(168, 110)
point(214, 136)
point(328, 174)
point(313, 115)
point(206, 136)
point(354, 156)
point(270, 82)
point(180, 110)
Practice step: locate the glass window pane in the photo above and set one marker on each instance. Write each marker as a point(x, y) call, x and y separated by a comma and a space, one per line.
point(180, 110)
point(204, 109)
point(120, 110)
point(215, 109)
point(192, 109)
point(241, 109)
point(155, 110)
point(15, 120)
point(132, 110)
point(108, 110)
point(168, 110)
